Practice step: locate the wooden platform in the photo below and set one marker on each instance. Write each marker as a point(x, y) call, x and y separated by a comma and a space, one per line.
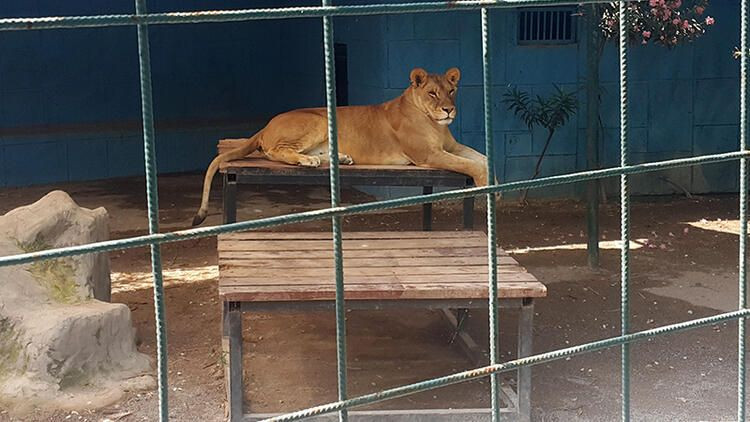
point(265, 271)
point(264, 266)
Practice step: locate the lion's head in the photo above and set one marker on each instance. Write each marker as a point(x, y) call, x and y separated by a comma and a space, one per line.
point(435, 94)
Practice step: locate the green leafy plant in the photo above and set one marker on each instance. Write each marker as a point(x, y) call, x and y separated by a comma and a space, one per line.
point(550, 113)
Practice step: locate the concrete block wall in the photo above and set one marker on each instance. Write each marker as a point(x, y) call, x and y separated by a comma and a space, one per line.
point(70, 97)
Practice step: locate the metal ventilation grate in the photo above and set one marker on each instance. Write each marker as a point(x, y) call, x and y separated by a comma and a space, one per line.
point(547, 26)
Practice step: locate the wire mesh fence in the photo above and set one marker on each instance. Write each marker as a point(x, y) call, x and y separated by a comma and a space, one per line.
point(142, 19)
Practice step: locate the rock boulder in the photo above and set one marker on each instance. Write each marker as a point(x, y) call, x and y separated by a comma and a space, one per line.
point(62, 345)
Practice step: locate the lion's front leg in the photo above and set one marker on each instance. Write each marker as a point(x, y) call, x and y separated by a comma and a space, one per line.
point(446, 161)
point(468, 153)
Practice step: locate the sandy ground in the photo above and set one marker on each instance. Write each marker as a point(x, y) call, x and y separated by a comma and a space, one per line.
point(684, 266)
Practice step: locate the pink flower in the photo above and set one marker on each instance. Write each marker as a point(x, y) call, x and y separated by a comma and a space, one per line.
point(685, 24)
point(646, 34)
point(710, 20)
point(699, 10)
point(677, 4)
point(675, 21)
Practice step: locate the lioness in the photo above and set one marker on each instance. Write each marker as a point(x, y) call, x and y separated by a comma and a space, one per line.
point(410, 129)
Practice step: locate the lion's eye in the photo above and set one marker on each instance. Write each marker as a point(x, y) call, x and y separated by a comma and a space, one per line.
point(433, 94)
point(453, 91)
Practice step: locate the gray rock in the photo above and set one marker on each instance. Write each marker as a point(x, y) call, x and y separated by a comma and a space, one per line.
point(62, 345)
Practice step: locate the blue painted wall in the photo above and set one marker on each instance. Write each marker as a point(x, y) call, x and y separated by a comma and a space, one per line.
point(70, 98)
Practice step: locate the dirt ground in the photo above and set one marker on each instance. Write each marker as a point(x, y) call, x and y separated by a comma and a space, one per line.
point(684, 266)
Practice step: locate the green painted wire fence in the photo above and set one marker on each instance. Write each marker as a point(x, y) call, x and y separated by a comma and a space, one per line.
point(142, 19)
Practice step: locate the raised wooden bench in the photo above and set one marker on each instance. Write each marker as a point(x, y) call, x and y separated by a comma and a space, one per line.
point(259, 271)
point(257, 170)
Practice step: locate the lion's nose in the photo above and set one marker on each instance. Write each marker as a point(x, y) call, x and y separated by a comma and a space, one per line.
point(448, 110)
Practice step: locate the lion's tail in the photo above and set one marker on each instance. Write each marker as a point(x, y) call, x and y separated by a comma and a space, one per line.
point(251, 145)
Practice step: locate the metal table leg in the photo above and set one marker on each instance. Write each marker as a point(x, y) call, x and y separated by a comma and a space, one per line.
point(427, 210)
point(469, 209)
point(230, 197)
point(525, 339)
point(469, 213)
point(232, 348)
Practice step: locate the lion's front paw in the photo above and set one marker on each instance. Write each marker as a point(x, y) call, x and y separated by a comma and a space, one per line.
point(309, 162)
point(345, 159)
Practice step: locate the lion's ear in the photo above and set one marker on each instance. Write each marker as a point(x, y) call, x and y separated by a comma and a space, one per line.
point(418, 77)
point(453, 75)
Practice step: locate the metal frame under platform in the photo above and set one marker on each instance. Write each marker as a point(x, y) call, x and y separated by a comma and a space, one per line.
point(518, 401)
point(259, 171)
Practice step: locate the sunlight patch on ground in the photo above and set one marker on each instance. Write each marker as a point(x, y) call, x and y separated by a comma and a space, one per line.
point(138, 280)
point(717, 290)
point(604, 244)
point(719, 225)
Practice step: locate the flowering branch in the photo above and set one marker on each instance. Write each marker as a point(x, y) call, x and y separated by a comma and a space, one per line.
point(663, 22)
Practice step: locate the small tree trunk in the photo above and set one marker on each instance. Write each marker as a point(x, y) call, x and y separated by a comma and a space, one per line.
point(538, 164)
point(594, 50)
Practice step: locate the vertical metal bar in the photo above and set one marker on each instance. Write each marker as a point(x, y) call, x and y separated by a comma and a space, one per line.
point(469, 213)
point(742, 288)
point(230, 198)
point(552, 26)
point(529, 26)
point(525, 348)
point(624, 211)
point(491, 232)
point(427, 210)
point(333, 155)
point(232, 346)
point(153, 207)
point(593, 35)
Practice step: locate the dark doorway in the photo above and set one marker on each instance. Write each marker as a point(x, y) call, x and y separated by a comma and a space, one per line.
point(341, 64)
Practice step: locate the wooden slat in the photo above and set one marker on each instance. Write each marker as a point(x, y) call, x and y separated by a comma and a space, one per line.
point(371, 244)
point(281, 279)
point(347, 235)
point(394, 253)
point(240, 259)
point(378, 292)
point(314, 274)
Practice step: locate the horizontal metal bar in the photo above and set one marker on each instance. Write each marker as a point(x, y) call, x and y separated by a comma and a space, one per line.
point(62, 22)
point(417, 415)
point(508, 366)
point(138, 241)
point(376, 305)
